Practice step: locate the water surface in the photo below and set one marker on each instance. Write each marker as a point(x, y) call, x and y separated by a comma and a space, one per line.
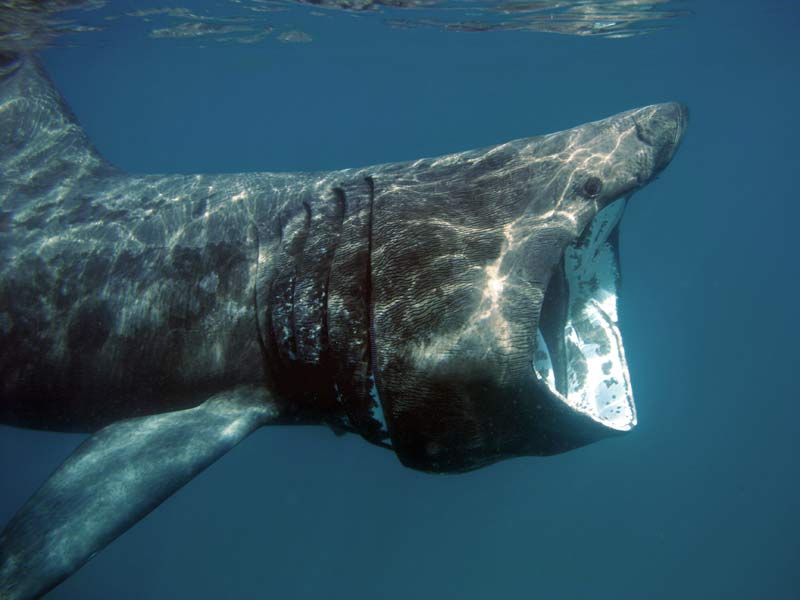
point(700, 501)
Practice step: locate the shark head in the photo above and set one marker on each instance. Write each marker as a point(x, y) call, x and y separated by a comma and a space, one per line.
point(495, 277)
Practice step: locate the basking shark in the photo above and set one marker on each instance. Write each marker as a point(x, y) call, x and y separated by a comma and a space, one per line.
point(457, 310)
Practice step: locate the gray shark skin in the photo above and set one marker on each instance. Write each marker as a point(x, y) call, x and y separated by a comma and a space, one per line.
point(459, 310)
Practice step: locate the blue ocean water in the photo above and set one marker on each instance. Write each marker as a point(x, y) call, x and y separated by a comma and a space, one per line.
point(700, 501)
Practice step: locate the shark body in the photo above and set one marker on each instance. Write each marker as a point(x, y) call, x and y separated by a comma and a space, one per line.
point(458, 310)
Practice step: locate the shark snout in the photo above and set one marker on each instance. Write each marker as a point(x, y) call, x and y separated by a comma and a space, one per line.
point(661, 127)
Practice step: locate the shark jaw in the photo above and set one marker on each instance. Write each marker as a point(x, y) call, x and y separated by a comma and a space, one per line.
point(579, 355)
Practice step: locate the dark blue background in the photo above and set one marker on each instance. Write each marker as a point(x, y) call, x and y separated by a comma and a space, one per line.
point(701, 501)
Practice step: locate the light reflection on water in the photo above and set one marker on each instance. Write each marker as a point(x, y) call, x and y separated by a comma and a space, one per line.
point(31, 24)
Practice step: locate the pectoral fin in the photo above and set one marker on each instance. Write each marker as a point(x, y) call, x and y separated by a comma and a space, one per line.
point(115, 478)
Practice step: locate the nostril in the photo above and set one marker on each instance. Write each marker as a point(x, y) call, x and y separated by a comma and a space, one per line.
point(663, 124)
point(662, 128)
point(645, 131)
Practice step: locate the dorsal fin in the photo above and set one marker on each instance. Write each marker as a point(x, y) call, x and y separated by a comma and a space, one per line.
point(41, 143)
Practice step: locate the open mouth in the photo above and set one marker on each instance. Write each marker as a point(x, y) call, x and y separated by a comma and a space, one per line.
point(580, 355)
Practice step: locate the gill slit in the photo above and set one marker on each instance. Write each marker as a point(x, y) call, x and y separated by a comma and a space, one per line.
point(372, 347)
point(341, 201)
point(372, 353)
point(259, 333)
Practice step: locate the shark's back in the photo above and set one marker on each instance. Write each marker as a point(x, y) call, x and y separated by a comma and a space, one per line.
point(109, 292)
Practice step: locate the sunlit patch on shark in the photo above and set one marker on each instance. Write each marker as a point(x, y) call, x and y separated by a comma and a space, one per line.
point(584, 365)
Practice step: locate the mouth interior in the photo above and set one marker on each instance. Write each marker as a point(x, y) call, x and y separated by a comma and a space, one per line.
point(580, 355)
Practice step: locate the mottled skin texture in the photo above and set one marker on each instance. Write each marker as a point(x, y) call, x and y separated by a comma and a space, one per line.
point(127, 295)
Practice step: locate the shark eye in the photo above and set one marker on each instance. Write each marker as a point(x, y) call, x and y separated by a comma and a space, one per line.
point(9, 63)
point(592, 187)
